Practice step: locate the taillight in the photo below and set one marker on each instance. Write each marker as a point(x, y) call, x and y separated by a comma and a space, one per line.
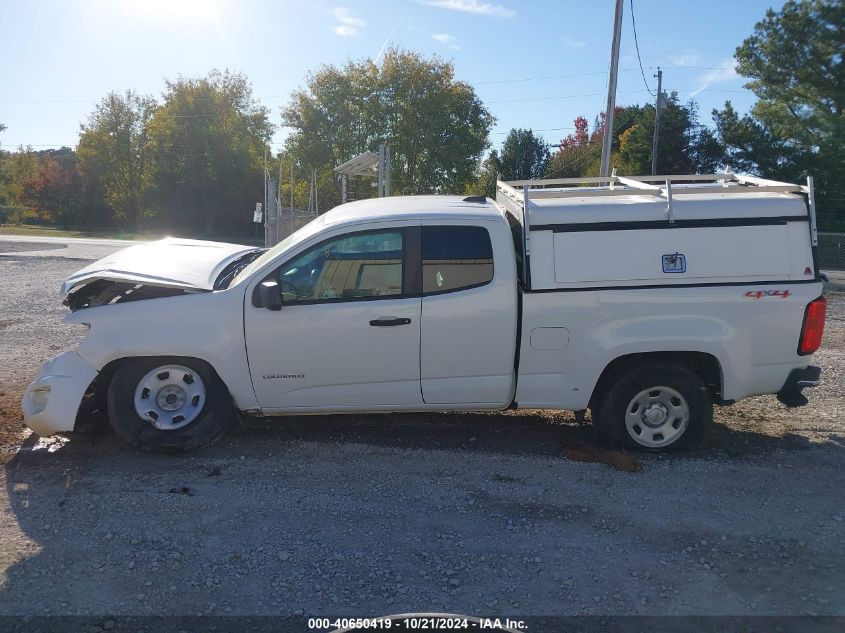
point(813, 327)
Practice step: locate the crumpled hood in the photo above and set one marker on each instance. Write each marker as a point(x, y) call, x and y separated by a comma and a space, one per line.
point(171, 262)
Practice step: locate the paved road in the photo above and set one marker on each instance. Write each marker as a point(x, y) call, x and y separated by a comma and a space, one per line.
point(64, 247)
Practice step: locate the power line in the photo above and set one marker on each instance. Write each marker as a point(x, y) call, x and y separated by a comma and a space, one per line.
point(681, 67)
point(593, 94)
point(637, 46)
point(547, 129)
point(510, 81)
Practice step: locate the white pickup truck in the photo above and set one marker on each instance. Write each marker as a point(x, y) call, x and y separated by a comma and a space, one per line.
point(643, 299)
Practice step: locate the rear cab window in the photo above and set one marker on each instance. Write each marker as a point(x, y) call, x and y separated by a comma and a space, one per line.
point(455, 258)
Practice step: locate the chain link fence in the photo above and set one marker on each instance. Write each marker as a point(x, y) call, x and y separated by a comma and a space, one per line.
point(831, 251)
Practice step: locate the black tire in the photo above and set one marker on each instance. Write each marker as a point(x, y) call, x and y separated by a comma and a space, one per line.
point(625, 384)
point(214, 420)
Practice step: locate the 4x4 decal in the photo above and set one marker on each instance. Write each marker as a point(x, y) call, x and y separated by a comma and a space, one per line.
point(759, 294)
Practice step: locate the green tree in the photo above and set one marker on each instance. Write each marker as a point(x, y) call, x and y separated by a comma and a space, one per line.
point(794, 63)
point(524, 155)
point(684, 145)
point(112, 154)
point(23, 167)
point(207, 143)
point(4, 176)
point(488, 174)
point(436, 126)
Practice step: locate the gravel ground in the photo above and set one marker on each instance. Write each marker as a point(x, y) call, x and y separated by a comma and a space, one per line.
point(510, 514)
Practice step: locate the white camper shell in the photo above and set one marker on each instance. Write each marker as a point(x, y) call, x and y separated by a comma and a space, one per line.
point(733, 230)
point(645, 300)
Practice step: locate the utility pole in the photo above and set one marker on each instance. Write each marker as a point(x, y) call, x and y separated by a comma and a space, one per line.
point(265, 178)
point(267, 226)
point(611, 91)
point(381, 170)
point(657, 105)
point(279, 192)
point(386, 170)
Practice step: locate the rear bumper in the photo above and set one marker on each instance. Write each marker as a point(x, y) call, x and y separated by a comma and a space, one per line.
point(51, 402)
point(798, 379)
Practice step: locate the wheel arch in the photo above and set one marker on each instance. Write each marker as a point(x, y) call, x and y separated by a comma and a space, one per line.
point(99, 387)
point(705, 365)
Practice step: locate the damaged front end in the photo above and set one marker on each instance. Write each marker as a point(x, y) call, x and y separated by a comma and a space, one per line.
point(51, 402)
point(165, 268)
point(69, 389)
point(105, 292)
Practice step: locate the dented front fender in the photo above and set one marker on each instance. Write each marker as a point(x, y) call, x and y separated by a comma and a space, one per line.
point(51, 402)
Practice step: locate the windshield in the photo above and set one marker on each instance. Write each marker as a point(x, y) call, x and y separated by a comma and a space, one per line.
point(289, 242)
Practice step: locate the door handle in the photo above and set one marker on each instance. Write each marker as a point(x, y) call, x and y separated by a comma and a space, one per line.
point(389, 322)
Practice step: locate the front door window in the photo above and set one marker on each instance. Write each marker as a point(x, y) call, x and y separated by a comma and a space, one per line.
point(365, 265)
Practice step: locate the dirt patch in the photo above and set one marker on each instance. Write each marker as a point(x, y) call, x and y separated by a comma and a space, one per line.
point(617, 460)
point(12, 430)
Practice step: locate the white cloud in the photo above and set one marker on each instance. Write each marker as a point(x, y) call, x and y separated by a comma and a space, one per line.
point(347, 24)
point(572, 42)
point(686, 59)
point(472, 6)
point(447, 40)
point(726, 71)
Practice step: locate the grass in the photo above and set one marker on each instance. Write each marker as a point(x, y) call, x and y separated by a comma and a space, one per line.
point(52, 231)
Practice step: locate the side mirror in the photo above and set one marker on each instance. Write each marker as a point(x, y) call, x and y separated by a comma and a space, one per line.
point(270, 295)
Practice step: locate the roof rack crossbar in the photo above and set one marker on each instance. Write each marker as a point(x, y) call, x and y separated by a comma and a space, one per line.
point(661, 187)
point(640, 185)
point(597, 186)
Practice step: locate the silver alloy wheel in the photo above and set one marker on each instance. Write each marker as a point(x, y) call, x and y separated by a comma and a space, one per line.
point(170, 397)
point(656, 417)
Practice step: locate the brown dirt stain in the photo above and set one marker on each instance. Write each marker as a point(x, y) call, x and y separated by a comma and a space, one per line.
point(617, 460)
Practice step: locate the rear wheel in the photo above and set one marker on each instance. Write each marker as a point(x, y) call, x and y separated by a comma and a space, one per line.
point(169, 405)
point(656, 407)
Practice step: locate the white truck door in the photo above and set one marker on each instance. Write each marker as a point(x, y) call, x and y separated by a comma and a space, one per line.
point(469, 314)
point(347, 335)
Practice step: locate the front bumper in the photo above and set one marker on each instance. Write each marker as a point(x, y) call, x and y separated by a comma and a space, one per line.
point(51, 402)
point(798, 379)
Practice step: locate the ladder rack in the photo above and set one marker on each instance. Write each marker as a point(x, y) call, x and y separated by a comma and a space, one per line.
point(520, 192)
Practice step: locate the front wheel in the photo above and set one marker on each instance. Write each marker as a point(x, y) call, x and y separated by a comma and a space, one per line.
point(656, 406)
point(169, 405)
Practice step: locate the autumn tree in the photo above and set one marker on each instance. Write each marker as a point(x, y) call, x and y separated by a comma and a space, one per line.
point(206, 147)
point(56, 188)
point(113, 154)
point(580, 137)
point(575, 153)
point(579, 153)
point(436, 126)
